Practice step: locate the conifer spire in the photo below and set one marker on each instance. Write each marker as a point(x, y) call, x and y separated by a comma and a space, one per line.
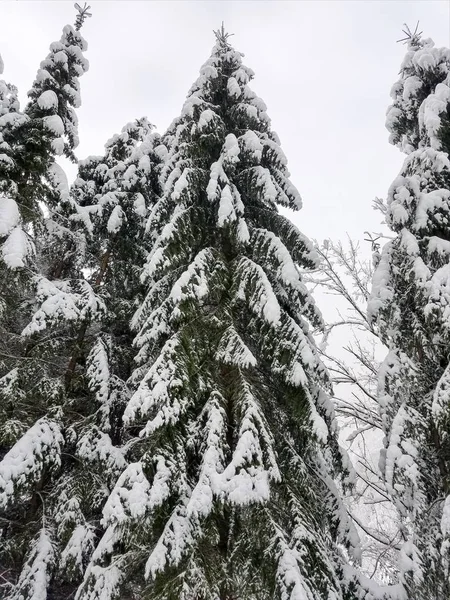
point(412, 38)
point(82, 15)
point(222, 36)
point(422, 69)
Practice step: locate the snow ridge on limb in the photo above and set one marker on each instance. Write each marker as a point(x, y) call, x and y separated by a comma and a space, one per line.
point(233, 351)
point(23, 465)
point(162, 393)
point(60, 303)
point(77, 551)
point(36, 574)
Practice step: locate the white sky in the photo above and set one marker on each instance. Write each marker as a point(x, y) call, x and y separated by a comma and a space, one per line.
point(324, 69)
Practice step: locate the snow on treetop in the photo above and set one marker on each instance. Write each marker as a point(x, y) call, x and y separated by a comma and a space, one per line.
point(423, 68)
point(70, 33)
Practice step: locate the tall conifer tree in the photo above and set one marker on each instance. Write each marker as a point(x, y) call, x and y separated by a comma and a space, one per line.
point(411, 301)
point(30, 387)
point(14, 244)
point(34, 193)
point(232, 449)
point(82, 322)
point(33, 185)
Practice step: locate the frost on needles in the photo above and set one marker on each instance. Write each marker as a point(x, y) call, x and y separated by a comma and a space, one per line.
point(231, 451)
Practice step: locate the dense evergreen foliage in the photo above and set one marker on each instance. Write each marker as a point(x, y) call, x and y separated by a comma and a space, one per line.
point(167, 429)
point(410, 300)
point(67, 346)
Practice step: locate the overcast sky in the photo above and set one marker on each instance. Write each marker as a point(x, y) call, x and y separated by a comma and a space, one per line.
point(324, 69)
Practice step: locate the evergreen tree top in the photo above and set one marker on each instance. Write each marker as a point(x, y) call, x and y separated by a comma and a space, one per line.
point(422, 71)
point(410, 302)
point(413, 38)
point(222, 36)
point(82, 15)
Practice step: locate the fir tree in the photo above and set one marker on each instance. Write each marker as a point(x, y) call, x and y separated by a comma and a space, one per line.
point(31, 182)
point(34, 200)
point(82, 322)
point(35, 194)
point(410, 300)
point(116, 191)
point(232, 449)
point(422, 70)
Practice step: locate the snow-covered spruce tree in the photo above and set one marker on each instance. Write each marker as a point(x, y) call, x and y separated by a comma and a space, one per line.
point(411, 302)
point(116, 191)
point(423, 69)
point(30, 180)
point(35, 194)
point(86, 320)
point(229, 490)
point(34, 200)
